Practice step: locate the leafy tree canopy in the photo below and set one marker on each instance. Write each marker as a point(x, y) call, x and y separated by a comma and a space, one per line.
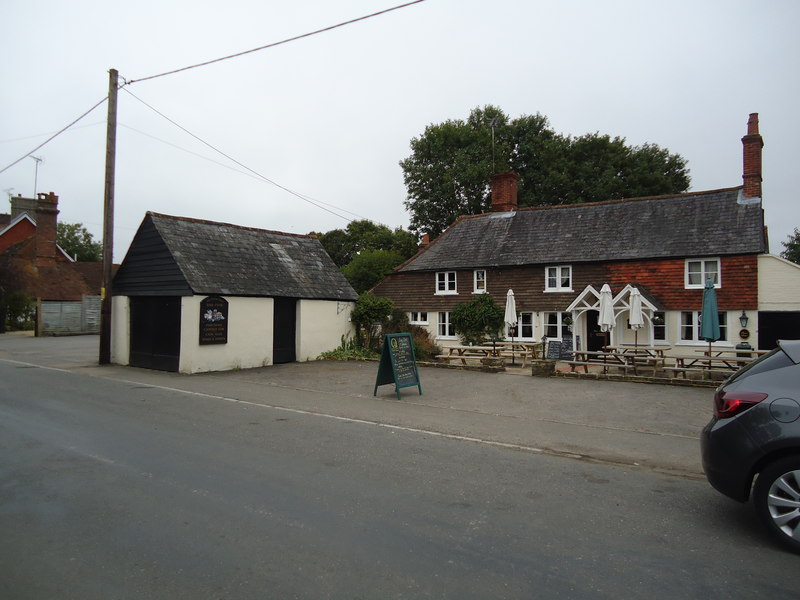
point(369, 267)
point(791, 247)
point(76, 240)
point(343, 245)
point(448, 172)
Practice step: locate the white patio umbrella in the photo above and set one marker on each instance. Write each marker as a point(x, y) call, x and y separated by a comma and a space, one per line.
point(606, 319)
point(511, 318)
point(636, 318)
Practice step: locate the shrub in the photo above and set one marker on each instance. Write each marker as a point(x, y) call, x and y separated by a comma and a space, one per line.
point(424, 346)
point(20, 311)
point(370, 316)
point(349, 349)
point(477, 319)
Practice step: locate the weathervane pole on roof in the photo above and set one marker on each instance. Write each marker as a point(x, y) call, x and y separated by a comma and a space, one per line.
point(108, 219)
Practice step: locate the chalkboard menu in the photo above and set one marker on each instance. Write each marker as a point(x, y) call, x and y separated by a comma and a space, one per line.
point(213, 321)
point(561, 350)
point(553, 350)
point(398, 364)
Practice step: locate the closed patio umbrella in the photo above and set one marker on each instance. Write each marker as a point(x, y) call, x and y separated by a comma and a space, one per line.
point(636, 318)
point(606, 319)
point(511, 318)
point(709, 317)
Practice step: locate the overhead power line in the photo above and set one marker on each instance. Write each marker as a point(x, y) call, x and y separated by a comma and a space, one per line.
point(52, 137)
point(272, 45)
point(230, 158)
point(234, 169)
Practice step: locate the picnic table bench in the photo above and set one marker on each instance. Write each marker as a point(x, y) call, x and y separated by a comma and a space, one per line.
point(500, 349)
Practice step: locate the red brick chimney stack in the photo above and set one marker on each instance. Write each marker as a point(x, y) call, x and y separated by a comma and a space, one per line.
point(46, 218)
point(504, 192)
point(752, 144)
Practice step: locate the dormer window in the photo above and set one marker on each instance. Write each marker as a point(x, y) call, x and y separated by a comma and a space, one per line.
point(446, 282)
point(697, 271)
point(558, 279)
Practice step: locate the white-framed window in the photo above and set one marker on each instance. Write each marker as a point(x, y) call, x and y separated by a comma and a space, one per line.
point(690, 326)
point(446, 282)
point(698, 270)
point(418, 318)
point(479, 281)
point(659, 325)
point(556, 324)
point(525, 325)
point(445, 328)
point(558, 279)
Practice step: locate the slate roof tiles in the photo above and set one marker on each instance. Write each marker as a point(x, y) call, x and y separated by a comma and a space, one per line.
point(712, 223)
point(220, 258)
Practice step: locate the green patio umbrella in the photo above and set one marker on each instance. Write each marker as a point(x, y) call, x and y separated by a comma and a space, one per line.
point(709, 318)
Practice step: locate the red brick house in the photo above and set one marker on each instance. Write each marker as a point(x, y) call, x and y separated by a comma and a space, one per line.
point(556, 259)
point(30, 256)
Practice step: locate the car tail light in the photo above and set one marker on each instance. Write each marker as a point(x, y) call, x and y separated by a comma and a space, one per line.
point(730, 404)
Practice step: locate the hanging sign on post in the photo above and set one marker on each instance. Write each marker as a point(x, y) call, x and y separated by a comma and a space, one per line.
point(398, 364)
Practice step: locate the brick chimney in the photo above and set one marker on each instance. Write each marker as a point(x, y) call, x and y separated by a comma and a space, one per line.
point(46, 218)
point(504, 192)
point(21, 205)
point(752, 144)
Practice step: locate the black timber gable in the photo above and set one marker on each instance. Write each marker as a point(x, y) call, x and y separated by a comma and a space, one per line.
point(178, 256)
point(149, 268)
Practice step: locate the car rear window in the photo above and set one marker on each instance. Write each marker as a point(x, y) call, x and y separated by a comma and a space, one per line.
point(776, 359)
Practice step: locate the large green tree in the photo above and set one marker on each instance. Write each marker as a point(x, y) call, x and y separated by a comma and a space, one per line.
point(369, 267)
point(78, 242)
point(343, 245)
point(791, 247)
point(448, 172)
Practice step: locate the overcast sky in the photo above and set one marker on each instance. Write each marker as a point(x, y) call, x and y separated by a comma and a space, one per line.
point(330, 116)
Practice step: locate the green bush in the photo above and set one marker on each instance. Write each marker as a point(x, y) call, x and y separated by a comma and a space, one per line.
point(349, 349)
point(371, 315)
point(424, 346)
point(20, 311)
point(477, 319)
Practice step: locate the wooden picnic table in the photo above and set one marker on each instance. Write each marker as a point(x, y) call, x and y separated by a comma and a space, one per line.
point(724, 351)
point(622, 360)
point(648, 350)
point(501, 349)
point(731, 363)
point(533, 349)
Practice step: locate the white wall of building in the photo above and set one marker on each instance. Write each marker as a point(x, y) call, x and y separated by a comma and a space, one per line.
point(321, 325)
point(120, 330)
point(778, 283)
point(249, 336)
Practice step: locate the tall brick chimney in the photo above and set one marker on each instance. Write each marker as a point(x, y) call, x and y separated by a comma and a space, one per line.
point(46, 218)
point(504, 192)
point(751, 172)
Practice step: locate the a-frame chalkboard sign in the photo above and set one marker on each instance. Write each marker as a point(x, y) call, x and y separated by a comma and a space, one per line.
point(398, 364)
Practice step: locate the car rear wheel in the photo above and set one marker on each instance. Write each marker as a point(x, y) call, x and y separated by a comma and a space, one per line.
point(777, 500)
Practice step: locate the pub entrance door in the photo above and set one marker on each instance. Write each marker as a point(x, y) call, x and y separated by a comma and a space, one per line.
point(595, 339)
point(284, 330)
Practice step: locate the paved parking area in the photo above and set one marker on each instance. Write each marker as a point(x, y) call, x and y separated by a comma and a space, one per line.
point(635, 424)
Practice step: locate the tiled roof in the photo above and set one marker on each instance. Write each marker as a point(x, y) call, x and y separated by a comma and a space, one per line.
point(714, 223)
point(63, 280)
point(219, 258)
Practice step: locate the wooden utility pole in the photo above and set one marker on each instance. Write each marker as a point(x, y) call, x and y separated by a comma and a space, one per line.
point(108, 219)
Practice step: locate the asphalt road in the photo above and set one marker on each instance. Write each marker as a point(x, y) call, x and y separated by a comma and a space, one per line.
point(114, 489)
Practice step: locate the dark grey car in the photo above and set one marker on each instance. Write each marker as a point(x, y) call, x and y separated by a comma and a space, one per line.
point(755, 430)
